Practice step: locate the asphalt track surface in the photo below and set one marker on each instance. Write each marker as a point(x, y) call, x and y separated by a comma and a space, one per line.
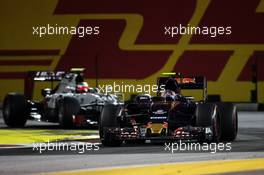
point(249, 144)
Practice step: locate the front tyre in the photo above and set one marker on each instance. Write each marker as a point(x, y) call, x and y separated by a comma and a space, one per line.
point(68, 108)
point(229, 121)
point(207, 115)
point(108, 119)
point(15, 111)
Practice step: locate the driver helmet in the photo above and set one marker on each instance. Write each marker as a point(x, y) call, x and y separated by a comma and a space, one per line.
point(82, 87)
point(172, 85)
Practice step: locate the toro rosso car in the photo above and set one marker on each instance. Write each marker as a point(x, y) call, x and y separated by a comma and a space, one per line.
point(169, 116)
point(71, 103)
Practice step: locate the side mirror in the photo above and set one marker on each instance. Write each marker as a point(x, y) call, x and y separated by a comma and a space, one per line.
point(45, 92)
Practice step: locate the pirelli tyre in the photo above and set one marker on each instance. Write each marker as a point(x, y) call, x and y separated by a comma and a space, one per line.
point(229, 121)
point(68, 108)
point(108, 119)
point(207, 115)
point(15, 111)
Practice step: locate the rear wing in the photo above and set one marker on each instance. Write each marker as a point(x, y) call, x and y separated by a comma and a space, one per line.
point(195, 82)
point(48, 76)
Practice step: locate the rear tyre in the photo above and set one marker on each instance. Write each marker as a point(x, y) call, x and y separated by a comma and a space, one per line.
point(207, 115)
point(15, 111)
point(229, 121)
point(109, 119)
point(68, 108)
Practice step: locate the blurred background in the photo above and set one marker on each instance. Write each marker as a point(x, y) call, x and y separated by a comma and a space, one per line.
point(132, 48)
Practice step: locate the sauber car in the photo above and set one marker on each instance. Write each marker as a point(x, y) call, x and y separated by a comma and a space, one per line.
point(71, 103)
point(169, 116)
